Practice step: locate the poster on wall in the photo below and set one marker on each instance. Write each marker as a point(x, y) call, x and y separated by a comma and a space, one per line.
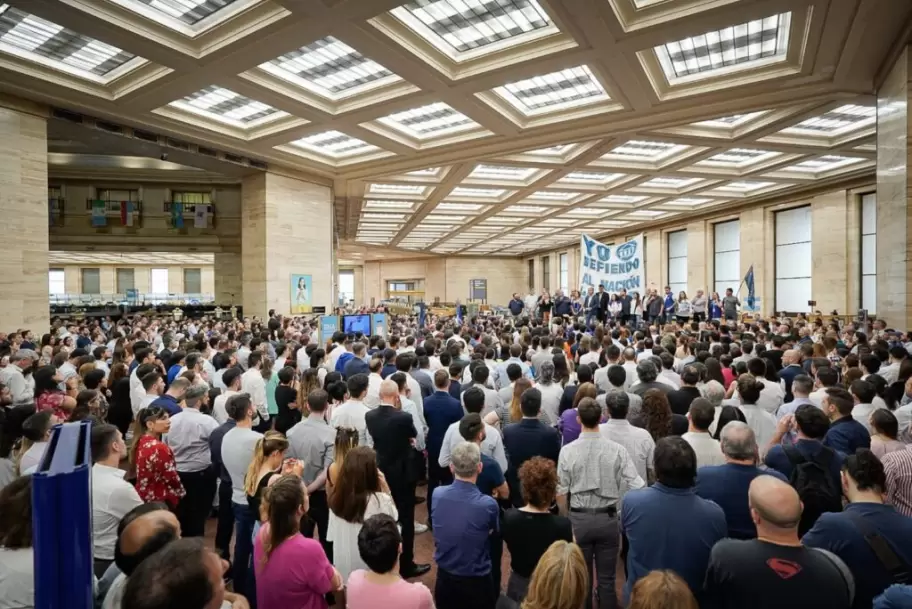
point(301, 294)
point(614, 266)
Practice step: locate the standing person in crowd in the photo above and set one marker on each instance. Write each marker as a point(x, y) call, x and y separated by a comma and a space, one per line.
point(268, 457)
point(36, 433)
point(381, 587)
point(727, 484)
point(775, 570)
point(761, 421)
point(156, 472)
point(238, 447)
point(188, 438)
point(898, 472)
point(592, 305)
point(667, 526)
point(17, 556)
point(394, 433)
point(225, 514)
point(48, 395)
point(112, 496)
point(253, 383)
point(680, 399)
point(492, 444)
point(700, 419)
point(730, 305)
point(312, 442)
point(872, 538)
point(884, 433)
point(661, 589)
point(526, 439)
point(291, 570)
point(530, 530)
point(18, 377)
point(637, 441)
point(441, 410)
point(596, 473)
point(698, 305)
point(352, 413)
point(683, 309)
point(463, 519)
point(846, 435)
point(560, 580)
point(346, 441)
point(232, 380)
point(360, 492)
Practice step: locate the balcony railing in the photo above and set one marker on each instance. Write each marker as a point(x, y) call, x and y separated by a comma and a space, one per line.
point(131, 299)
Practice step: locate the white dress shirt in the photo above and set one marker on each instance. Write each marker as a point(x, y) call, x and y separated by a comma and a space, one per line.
point(550, 402)
point(12, 377)
point(351, 415)
point(492, 445)
point(592, 357)
point(219, 412)
point(137, 393)
point(112, 498)
point(638, 442)
point(862, 414)
point(671, 376)
point(707, 448)
point(372, 399)
point(762, 422)
point(408, 406)
point(189, 439)
point(632, 377)
point(252, 382)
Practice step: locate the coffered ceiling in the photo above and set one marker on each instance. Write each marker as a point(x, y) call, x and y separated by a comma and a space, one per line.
point(483, 127)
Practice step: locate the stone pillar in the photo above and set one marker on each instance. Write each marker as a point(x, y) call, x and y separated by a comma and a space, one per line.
point(287, 229)
point(227, 278)
point(697, 248)
point(829, 251)
point(23, 200)
point(894, 194)
point(653, 262)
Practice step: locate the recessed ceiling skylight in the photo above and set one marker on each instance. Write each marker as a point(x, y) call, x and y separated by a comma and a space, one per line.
point(463, 207)
point(430, 172)
point(644, 213)
point(525, 209)
point(503, 172)
point(836, 122)
point(190, 12)
point(457, 27)
point(383, 217)
point(590, 177)
point(669, 182)
point(734, 120)
point(560, 90)
point(53, 45)
point(737, 46)
point(738, 157)
point(391, 205)
point(228, 107)
point(551, 151)
point(622, 199)
point(640, 150)
point(745, 186)
point(586, 212)
point(827, 162)
point(477, 193)
point(433, 120)
point(397, 189)
point(330, 68)
point(687, 201)
point(335, 144)
point(554, 195)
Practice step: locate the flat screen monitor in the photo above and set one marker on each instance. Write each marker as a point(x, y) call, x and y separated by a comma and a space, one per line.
point(357, 323)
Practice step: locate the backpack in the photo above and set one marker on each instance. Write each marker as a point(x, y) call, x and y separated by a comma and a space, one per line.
point(814, 483)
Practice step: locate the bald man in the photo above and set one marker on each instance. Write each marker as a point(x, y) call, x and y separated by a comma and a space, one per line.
point(775, 570)
point(791, 367)
point(393, 432)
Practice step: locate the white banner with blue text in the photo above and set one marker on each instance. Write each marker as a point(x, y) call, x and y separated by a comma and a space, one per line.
point(613, 266)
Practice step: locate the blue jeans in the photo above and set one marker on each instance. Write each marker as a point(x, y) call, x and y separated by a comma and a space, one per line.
point(243, 548)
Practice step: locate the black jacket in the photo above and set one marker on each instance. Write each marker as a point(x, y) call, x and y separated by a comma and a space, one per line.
point(680, 400)
point(523, 440)
point(392, 430)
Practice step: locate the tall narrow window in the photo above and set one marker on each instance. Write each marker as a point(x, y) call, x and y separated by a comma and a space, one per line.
point(677, 262)
point(159, 284)
point(125, 280)
point(91, 281)
point(193, 281)
point(564, 274)
point(793, 259)
point(726, 256)
point(346, 287)
point(56, 282)
point(869, 252)
point(546, 273)
point(532, 274)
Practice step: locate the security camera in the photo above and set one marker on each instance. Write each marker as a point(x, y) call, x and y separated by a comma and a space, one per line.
point(164, 156)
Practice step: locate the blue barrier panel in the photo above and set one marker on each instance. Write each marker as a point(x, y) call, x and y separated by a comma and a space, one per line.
point(62, 520)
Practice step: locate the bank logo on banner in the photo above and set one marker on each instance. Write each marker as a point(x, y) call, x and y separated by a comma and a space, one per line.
point(615, 268)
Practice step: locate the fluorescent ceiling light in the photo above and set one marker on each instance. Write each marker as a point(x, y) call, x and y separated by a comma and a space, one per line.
point(687, 201)
point(525, 209)
point(554, 195)
point(669, 182)
point(397, 189)
point(379, 204)
point(190, 12)
point(590, 177)
point(735, 120)
point(640, 150)
point(622, 199)
point(836, 122)
point(567, 88)
point(745, 186)
point(477, 193)
point(433, 120)
point(335, 144)
point(330, 68)
point(499, 172)
point(824, 163)
point(739, 157)
point(737, 46)
point(551, 150)
point(226, 106)
point(466, 207)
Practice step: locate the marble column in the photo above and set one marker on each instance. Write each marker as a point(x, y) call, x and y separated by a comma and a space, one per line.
point(894, 195)
point(286, 230)
point(227, 279)
point(23, 201)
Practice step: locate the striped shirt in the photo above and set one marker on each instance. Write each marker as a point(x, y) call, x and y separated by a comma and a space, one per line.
point(898, 468)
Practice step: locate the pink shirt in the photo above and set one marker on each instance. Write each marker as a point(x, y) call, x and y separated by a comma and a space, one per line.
point(296, 576)
point(362, 594)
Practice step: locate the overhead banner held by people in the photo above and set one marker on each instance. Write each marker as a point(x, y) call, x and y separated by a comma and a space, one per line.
point(616, 267)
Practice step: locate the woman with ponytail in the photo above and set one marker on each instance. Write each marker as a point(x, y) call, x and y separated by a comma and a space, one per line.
point(292, 571)
point(153, 460)
point(307, 384)
point(267, 458)
point(346, 440)
point(36, 431)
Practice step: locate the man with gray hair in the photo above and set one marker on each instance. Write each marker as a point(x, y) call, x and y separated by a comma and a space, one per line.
point(18, 377)
point(647, 373)
point(189, 440)
point(728, 484)
point(463, 520)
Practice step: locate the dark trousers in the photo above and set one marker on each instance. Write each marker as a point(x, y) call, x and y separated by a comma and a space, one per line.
point(597, 537)
point(318, 518)
point(495, 548)
point(437, 476)
point(99, 566)
point(195, 506)
point(225, 521)
point(698, 317)
point(243, 549)
point(404, 497)
point(455, 592)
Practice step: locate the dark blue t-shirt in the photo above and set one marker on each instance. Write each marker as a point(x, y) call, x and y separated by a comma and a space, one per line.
point(809, 449)
point(491, 475)
point(727, 485)
point(847, 435)
point(839, 534)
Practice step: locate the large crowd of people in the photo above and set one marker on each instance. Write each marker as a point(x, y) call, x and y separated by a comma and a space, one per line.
point(586, 451)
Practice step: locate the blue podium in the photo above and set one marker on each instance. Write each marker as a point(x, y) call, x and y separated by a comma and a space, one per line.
point(62, 520)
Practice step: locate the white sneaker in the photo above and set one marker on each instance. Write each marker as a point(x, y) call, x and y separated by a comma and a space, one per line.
point(420, 528)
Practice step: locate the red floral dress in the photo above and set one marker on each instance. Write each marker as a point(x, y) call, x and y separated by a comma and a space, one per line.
point(52, 400)
point(156, 472)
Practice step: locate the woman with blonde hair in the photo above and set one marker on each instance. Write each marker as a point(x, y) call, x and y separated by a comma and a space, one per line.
point(509, 413)
point(309, 382)
point(268, 455)
point(560, 580)
point(346, 440)
point(662, 590)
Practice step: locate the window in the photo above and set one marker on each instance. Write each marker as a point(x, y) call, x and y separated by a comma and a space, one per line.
point(346, 287)
point(546, 272)
point(564, 273)
point(191, 198)
point(793, 259)
point(869, 252)
point(726, 256)
point(159, 283)
point(532, 274)
point(193, 281)
point(677, 262)
point(107, 194)
point(56, 282)
point(91, 281)
point(125, 280)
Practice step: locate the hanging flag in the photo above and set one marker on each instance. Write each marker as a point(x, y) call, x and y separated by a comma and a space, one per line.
point(98, 214)
point(177, 215)
point(124, 213)
point(200, 216)
point(749, 282)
